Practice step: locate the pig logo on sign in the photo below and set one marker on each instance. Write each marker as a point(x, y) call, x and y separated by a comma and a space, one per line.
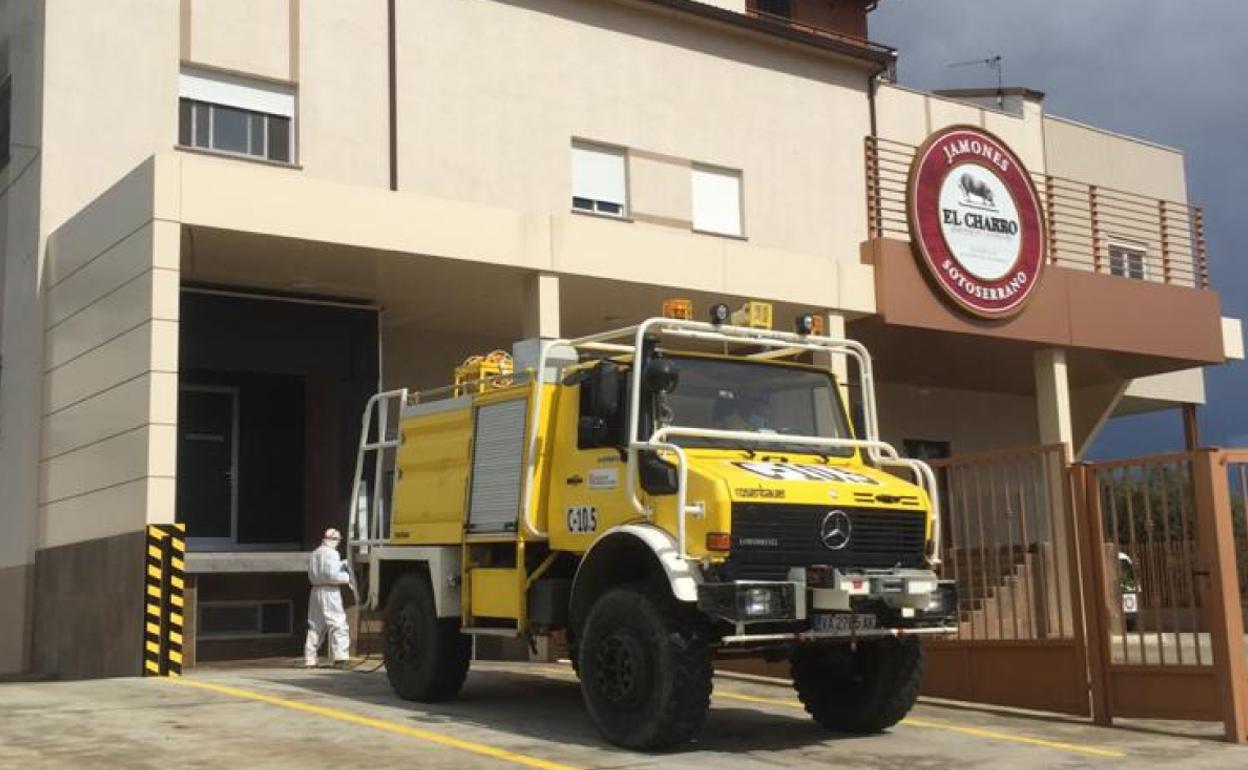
point(973, 188)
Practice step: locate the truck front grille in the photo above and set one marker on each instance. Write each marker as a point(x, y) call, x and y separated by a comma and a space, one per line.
point(767, 539)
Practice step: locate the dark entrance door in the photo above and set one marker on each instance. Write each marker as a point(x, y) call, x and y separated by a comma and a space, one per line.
point(207, 460)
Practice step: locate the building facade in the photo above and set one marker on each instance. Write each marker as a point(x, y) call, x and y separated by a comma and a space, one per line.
point(227, 222)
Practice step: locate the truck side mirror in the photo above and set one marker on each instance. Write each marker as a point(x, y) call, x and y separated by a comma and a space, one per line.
point(661, 375)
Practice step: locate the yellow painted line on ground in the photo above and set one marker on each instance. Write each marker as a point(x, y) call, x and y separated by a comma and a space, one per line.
point(1077, 748)
point(471, 747)
point(978, 732)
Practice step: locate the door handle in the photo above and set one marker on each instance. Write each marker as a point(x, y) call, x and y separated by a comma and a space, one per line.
point(575, 479)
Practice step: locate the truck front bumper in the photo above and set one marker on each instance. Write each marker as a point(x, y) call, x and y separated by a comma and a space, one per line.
point(876, 603)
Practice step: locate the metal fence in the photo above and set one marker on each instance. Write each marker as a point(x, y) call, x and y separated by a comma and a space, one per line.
point(1150, 553)
point(1001, 543)
point(1111, 589)
point(1237, 479)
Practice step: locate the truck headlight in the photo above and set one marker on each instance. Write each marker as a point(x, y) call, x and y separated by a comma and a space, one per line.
point(747, 602)
point(756, 602)
point(944, 602)
point(921, 586)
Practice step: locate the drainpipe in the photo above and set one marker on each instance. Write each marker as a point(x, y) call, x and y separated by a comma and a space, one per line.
point(394, 93)
point(872, 81)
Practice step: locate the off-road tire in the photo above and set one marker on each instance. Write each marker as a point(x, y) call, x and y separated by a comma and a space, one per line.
point(861, 691)
point(426, 657)
point(645, 668)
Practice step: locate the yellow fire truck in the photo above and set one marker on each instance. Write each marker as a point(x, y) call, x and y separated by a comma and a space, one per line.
point(663, 495)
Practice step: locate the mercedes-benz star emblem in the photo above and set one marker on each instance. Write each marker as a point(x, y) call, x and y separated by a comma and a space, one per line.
point(835, 531)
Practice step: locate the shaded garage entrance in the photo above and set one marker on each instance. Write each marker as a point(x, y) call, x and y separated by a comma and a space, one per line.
point(270, 395)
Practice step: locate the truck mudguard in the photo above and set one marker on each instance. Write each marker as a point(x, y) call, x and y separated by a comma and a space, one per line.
point(681, 575)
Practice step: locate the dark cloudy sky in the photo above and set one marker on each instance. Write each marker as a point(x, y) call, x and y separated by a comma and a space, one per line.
point(1172, 71)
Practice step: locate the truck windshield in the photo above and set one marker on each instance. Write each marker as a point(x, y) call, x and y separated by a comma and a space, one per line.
point(767, 399)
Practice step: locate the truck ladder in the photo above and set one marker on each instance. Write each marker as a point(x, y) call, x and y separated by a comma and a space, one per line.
point(370, 522)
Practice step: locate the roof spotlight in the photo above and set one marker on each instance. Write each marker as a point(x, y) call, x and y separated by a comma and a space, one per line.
point(719, 313)
point(804, 324)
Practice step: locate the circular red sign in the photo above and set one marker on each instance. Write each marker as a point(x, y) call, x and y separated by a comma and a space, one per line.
point(976, 221)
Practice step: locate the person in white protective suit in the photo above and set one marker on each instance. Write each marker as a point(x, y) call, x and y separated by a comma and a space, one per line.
point(326, 617)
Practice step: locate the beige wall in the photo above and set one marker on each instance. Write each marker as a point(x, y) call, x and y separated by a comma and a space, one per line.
point(92, 142)
point(342, 92)
point(253, 36)
point(221, 193)
point(908, 116)
point(792, 121)
point(1103, 158)
point(972, 421)
point(108, 449)
point(1185, 386)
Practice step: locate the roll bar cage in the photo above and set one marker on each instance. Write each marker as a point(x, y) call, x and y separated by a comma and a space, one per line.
point(630, 339)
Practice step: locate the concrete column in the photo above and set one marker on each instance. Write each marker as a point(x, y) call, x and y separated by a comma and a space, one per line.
point(1055, 426)
point(1053, 399)
point(541, 306)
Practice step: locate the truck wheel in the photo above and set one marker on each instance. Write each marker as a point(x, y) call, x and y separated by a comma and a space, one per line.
point(645, 669)
point(859, 691)
point(426, 656)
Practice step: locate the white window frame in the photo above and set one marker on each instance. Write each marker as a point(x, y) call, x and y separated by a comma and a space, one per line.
point(227, 90)
point(697, 170)
point(613, 151)
point(1128, 249)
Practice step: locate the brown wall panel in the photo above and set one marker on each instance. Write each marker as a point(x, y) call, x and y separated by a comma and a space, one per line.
point(1043, 675)
point(89, 608)
point(1169, 692)
point(1070, 308)
point(1144, 317)
point(16, 609)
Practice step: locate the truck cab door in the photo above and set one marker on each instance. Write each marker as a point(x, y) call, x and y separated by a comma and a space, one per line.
point(587, 482)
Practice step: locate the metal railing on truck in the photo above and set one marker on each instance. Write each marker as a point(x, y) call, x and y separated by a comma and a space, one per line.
point(775, 343)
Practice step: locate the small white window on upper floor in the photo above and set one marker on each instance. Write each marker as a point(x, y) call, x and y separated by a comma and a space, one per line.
point(1127, 261)
point(599, 179)
point(717, 200)
point(236, 115)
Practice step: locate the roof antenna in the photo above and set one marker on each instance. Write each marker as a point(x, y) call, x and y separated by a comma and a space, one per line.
point(993, 63)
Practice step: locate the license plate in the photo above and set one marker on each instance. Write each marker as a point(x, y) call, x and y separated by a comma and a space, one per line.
point(842, 623)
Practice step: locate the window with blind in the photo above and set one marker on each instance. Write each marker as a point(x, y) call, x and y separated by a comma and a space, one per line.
point(717, 200)
point(599, 179)
point(229, 114)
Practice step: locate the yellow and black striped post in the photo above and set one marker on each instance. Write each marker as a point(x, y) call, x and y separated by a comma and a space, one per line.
point(164, 603)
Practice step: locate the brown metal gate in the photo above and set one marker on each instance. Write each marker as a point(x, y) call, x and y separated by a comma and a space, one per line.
point(1006, 518)
point(1046, 554)
point(1170, 520)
